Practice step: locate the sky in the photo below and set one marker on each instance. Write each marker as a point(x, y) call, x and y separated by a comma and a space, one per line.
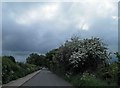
point(42, 26)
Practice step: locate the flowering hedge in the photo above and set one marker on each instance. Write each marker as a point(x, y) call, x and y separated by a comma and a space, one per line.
point(78, 55)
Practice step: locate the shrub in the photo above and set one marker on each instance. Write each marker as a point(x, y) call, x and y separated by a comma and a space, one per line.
point(13, 70)
point(91, 54)
point(86, 79)
point(78, 55)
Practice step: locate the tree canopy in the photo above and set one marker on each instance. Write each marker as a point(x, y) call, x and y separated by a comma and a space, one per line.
point(36, 59)
point(79, 55)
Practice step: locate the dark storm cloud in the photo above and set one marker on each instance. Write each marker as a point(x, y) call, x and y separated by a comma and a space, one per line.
point(33, 38)
point(26, 38)
point(26, 27)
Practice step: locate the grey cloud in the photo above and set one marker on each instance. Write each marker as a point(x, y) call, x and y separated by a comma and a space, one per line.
point(44, 36)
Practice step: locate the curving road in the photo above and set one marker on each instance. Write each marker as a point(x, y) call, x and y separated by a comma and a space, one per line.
point(46, 78)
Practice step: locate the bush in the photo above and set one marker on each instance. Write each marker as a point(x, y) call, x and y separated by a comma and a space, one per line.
point(79, 55)
point(12, 70)
point(36, 59)
point(86, 79)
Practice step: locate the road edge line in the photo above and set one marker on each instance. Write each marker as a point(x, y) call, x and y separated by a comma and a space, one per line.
point(31, 78)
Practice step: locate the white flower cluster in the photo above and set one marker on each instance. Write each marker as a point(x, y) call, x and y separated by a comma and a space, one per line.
point(87, 76)
point(78, 57)
point(86, 47)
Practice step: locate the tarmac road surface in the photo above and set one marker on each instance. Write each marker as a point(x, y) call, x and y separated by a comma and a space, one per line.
point(46, 78)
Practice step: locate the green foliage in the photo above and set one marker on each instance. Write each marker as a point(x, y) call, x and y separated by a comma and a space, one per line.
point(118, 74)
point(36, 59)
point(50, 54)
point(86, 79)
point(12, 70)
point(92, 53)
point(78, 55)
point(77, 59)
point(8, 68)
point(50, 60)
point(11, 58)
point(113, 70)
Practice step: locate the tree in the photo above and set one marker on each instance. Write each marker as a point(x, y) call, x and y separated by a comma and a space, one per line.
point(36, 59)
point(12, 70)
point(8, 69)
point(11, 58)
point(50, 54)
point(92, 53)
point(50, 60)
point(78, 55)
point(33, 59)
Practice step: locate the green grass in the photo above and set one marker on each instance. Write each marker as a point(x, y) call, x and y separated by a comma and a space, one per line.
point(87, 80)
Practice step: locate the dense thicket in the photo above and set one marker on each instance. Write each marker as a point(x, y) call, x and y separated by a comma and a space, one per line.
point(36, 59)
point(79, 59)
point(79, 55)
point(83, 62)
point(12, 70)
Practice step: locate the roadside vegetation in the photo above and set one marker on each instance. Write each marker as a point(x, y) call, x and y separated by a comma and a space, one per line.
point(12, 70)
point(82, 62)
point(0, 70)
